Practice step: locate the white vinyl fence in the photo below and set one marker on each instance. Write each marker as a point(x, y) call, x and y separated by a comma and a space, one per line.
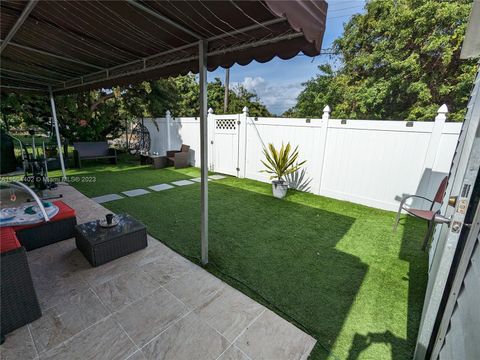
point(368, 162)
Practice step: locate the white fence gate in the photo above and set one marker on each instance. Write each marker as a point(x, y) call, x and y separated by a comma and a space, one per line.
point(225, 144)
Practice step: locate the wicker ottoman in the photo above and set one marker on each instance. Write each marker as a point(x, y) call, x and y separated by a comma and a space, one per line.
point(101, 245)
point(158, 162)
point(19, 300)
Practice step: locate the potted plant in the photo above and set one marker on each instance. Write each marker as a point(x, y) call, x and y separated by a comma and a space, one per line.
point(280, 163)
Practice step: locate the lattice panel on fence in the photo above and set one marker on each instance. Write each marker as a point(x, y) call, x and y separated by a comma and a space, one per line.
point(226, 124)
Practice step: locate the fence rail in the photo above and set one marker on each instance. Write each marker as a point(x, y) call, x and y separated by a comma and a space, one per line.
point(369, 162)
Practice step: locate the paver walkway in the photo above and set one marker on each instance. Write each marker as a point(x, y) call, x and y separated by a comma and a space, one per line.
point(217, 177)
point(198, 179)
point(106, 198)
point(182, 182)
point(161, 187)
point(152, 304)
point(137, 192)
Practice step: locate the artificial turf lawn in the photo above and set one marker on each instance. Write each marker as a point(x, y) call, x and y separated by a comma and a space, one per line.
point(333, 268)
point(97, 178)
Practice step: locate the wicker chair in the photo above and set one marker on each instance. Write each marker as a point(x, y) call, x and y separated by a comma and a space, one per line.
point(179, 158)
point(428, 215)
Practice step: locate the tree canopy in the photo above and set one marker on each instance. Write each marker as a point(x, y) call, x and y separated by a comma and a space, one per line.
point(399, 60)
point(94, 115)
point(84, 116)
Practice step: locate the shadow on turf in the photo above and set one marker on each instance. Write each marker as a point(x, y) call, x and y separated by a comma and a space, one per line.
point(417, 278)
point(283, 254)
point(361, 343)
point(279, 253)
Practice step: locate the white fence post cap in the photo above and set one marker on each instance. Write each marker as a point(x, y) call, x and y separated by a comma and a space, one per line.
point(167, 113)
point(245, 109)
point(327, 109)
point(443, 109)
point(210, 110)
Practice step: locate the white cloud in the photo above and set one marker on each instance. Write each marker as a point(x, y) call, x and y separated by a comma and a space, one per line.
point(277, 97)
point(254, 84)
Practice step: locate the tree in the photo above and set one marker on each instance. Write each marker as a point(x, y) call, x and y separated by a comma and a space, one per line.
point(238, 98)
point(94, 115)
point(18, 111)
point(400, 60)
point(319, 91)
point(87, 116)
point(150, 98)
point(241, 97)
point(180, 95)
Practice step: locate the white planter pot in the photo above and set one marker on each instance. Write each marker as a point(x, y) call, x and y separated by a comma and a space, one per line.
point(279, 188)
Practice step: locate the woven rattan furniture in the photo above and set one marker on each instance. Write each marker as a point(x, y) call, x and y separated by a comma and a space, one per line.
point(179, 158)
point(60, 227)
point(18, 297)
point(47, 233)
point(145, 159)
point(157, 161)
point(101, 245)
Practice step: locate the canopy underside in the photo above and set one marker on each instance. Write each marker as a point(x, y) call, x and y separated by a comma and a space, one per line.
point(80, 45)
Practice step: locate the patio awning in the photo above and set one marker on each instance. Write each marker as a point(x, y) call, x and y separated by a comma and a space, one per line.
point(80, 45)
point(69, 46)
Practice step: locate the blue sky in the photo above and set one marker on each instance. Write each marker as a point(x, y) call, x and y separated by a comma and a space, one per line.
point(278, 82)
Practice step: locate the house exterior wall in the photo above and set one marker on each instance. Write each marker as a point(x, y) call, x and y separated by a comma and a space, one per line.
point(462, 339)
point(443, 253)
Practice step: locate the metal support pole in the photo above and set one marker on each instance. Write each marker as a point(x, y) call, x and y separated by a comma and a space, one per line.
point(45, 159)
point(202, 69)
point(226, 85)
point(167, 118)
point(34, 148)
point(57, 133)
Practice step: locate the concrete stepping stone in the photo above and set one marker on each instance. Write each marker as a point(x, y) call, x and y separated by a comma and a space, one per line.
point(106, 198)
point(135, 192)
point(217, 177)
point(182, 182)
point(161, 187)
point(198, 179)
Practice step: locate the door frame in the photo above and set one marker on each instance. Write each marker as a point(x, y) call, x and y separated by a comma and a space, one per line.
point(463, 175)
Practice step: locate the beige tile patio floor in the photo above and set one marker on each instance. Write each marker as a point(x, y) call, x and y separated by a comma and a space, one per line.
point(153, 304)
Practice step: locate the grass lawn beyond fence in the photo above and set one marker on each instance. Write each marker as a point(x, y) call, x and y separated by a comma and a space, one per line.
point(333, 268)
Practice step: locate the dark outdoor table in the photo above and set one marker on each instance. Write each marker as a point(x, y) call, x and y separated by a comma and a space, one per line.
point(157, 161)
point(145, 159)
point(101, 245)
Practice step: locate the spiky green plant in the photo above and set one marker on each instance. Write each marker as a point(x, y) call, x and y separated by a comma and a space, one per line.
point(280, 163)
